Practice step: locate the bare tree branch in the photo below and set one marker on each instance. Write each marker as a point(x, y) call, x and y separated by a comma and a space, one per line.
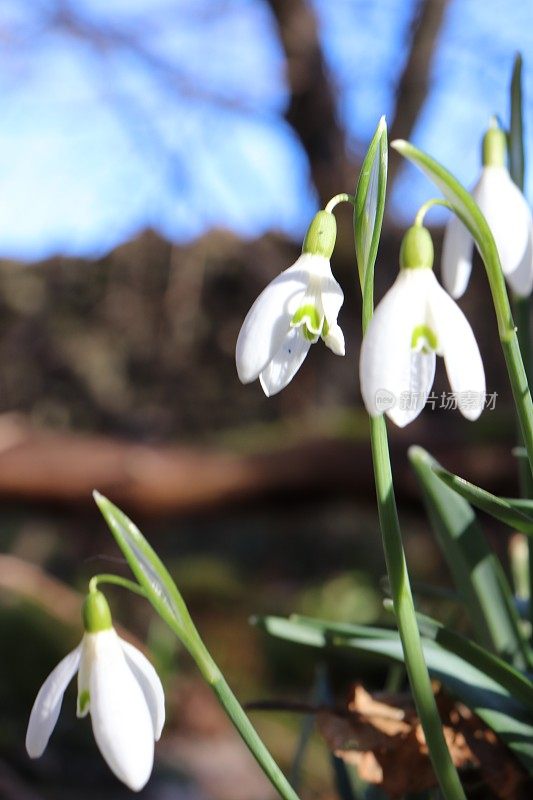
point(311, 111)
point(414, 83)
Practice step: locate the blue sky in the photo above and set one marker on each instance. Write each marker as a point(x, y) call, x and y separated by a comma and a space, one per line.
point(184, 131)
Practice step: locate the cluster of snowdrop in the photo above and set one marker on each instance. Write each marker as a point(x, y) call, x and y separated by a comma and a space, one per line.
point(414, 322)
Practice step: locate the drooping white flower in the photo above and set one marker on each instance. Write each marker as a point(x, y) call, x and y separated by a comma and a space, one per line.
point(415, 321)
point(296, 309)
point(509, 217)
point(120, 689)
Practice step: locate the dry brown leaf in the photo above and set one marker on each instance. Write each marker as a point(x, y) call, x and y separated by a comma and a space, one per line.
point(380, 734)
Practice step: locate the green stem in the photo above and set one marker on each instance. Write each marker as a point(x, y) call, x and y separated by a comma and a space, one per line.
point(339, 198)
point(116, 580)
point(522, 314)
point(405, 615)
point(521, 305)
point(423, 210)
point(235, 712)
point(233, 709)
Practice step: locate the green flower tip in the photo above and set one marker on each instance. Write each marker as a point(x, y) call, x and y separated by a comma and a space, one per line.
point(96, 614)
point(494, 146)
point(321, 235)
point(417, 249)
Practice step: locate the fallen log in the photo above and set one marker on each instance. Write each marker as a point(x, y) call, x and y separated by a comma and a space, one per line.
point(63, 468)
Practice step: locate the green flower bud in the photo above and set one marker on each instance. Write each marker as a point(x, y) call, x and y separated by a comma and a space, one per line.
point(494, 148)
point(417, 249)
point(321, 235)
point(96, 614)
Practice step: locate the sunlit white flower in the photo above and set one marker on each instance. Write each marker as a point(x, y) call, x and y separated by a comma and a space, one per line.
point(296, 309)
point(120, 689)
point(414, 322)
point(509, 217)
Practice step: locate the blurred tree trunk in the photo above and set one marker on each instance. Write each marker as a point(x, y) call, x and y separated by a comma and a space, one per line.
point(312, 108)
point(414, 82)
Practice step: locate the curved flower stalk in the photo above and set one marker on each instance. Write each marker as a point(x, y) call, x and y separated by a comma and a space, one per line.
point(509, 217)
point(120, 689)
point(415, 322)
point(299, 307)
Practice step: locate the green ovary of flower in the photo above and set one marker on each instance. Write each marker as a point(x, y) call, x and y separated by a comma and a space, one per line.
point(311, 322)
point(423, 338)
point(83, 701)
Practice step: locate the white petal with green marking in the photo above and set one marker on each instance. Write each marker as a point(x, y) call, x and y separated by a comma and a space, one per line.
point(295, 310)
point(120, 690)
point(415, 321)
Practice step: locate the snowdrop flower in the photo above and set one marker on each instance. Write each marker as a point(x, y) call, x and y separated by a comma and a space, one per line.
point(296, 309)
point(509, 217)
point(120, 689)
point(414, 322)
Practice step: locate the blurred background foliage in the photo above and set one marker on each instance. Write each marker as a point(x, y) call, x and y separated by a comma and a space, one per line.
point(159, 162)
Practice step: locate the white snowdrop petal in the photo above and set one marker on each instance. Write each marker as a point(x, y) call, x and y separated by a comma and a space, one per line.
point(456, 261)
point(507, 213)
point(47, 704)
point(335, 340)
point(150, 684)
point(521, 279)
point(394, 378)
point(458, 346)
point(411, 403)
point(332, 299)
point(285, 363)
point(267, 322)
point(121, 721)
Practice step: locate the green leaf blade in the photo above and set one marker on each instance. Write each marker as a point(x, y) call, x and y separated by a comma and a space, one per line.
point(517, 514)
point(485, 694)
point(516, 132)
point(369, 208)
point(477, 573)
point(147, 567)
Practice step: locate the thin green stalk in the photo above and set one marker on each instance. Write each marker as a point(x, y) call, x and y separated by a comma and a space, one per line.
point(115, 580)
point(405, 615)
point(235, 712)
point(368, 219)
point(521, 305)
point(232, 707)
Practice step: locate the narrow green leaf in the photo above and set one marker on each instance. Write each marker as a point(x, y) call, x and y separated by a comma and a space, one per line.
point(511, 679)
point(148, 568)
point(369, 209)
point(328, 629)
point(477, 573)
point(518, 514)
point(516, 133)
point(292, 631)
point(484, 694)
point(514, 681)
